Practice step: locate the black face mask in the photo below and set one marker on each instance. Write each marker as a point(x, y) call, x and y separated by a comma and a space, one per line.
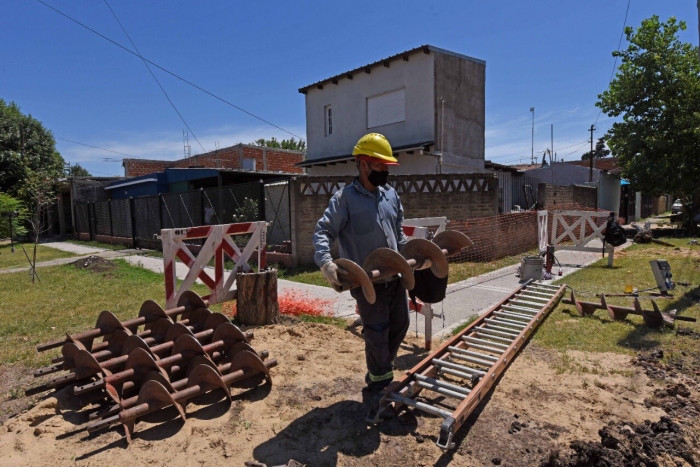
point(378, 178)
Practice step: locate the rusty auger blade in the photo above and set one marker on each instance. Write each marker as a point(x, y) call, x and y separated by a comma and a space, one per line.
point(154, 396)
point(384, 263)
point(654, 318)
point(108, 323)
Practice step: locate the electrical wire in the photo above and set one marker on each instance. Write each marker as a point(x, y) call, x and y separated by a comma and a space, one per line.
point(168, 71)
point(94, 147)
point(154, 76)
point(542, 152)
point(619, 44)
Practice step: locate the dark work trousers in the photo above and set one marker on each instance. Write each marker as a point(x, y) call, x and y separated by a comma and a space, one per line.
point(384, 325)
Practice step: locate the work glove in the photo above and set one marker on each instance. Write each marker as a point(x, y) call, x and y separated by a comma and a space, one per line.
point(330, 272)
point(426, 264)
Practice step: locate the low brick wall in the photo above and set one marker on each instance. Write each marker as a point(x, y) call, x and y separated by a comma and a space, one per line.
point(498, 236)
point(456, 196)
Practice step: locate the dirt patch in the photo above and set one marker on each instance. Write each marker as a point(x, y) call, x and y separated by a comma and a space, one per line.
point(95, 264)
point(621, 444)
point(314, 413)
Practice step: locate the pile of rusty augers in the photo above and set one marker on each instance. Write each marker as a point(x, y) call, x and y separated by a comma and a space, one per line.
point(163, 358)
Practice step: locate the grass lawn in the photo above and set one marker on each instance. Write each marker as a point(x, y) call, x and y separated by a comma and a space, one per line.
point(69, 299)
point(565, 330)
point(458, 271)
point(17, 259)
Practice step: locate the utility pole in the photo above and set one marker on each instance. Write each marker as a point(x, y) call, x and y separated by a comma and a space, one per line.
point(590, 171)
point(551, 152)
point(532, 151)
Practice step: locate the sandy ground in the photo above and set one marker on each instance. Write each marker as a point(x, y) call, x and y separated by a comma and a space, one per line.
point(314, 412)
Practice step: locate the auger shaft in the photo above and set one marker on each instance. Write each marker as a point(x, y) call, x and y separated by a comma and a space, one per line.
point(177, 385)
point(178, 396)
point(164, 363)
point(130, 323)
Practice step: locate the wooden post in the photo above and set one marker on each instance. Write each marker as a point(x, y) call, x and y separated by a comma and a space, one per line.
point(257, 298)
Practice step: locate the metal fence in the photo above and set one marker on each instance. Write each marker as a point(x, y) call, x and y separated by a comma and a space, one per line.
point(524, 191)
point(138, 221)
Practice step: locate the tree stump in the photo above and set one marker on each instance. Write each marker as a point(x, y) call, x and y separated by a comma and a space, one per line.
point(257, 298)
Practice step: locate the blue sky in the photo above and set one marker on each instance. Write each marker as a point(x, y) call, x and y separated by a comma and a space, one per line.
point(553, 55)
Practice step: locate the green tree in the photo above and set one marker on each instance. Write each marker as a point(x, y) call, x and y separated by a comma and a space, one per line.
point(78, 171)
point(291, 144)
point(599, 151)
point(8, 204)
point(26, 146)
point(656, 91)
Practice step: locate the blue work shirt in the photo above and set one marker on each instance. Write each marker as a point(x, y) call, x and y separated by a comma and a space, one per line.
point(362, 221)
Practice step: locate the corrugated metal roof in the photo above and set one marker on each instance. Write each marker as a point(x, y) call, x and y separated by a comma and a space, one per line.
point(385, 61)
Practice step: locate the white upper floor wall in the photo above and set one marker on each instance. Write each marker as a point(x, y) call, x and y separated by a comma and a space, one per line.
point(425, 96)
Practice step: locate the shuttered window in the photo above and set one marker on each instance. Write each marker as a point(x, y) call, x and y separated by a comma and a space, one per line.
point(386, 108)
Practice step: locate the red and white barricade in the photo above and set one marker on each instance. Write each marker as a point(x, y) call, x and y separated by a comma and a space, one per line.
point(219, 242)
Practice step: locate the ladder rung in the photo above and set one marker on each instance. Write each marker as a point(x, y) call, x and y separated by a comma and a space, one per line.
point(529, 297)
point(526, 303)
point(482, 342)
point(508, 314)
point(443, 391)
point(550, 286)
point(473, 354)
point(534, 292)
point(469, 359)
point(458, 367)
point(495, 338)
point(505, 322)
point(393, 397)
point(473, 345)
point(459, 374)
point(530, 312)
point(543, 287)
point(504, 330)
point(443, 384)
point(495, 332)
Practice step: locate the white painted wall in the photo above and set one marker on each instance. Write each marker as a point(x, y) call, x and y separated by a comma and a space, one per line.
point(348, 99)
point(563, 174)
point(609, 193)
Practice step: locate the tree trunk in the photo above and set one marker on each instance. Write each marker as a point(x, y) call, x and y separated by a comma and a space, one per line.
point(257, 298)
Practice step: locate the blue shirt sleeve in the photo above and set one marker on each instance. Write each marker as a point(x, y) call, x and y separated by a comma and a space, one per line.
point(400, 235)
point(334, 219)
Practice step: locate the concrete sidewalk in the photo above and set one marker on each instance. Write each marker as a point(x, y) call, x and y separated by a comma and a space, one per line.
point(463, 300)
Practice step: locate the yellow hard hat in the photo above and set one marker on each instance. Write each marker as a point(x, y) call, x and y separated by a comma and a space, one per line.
point(375, 146)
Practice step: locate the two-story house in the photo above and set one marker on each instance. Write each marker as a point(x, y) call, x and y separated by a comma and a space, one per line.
point(428, 102)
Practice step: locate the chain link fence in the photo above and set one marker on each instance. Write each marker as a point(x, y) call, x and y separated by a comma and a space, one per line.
point(138, 221)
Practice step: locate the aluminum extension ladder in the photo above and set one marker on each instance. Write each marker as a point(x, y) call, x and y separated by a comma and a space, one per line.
point(465, 368)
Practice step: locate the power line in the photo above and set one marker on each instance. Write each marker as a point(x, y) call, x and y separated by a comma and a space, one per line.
point(154, 76)
point(576, 150)
point(542, 152)
point(168, 71)
point(94, 147)
point(619, 44)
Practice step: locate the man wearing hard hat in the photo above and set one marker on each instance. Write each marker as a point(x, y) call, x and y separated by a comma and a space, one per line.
point(366, 215)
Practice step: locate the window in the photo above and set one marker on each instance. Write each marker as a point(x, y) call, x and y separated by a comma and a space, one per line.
point(328, 117)
point(386, 108)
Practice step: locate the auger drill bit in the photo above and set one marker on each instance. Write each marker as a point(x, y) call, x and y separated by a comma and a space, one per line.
point(154, 395)
point(384, 262)
point(139, 360)
point(84, 364)
point(223, 368)
point(123, 339)
point(107, 322)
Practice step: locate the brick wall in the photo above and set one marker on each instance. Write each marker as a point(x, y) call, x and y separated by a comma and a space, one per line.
point(563, 197)
point(266, 159)
point(456, 196)
point(497, 236)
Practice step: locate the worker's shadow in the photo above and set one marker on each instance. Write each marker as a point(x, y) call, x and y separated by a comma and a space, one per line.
point(320, 435)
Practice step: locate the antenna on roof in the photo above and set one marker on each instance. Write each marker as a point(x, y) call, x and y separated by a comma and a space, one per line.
point(187, 149)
